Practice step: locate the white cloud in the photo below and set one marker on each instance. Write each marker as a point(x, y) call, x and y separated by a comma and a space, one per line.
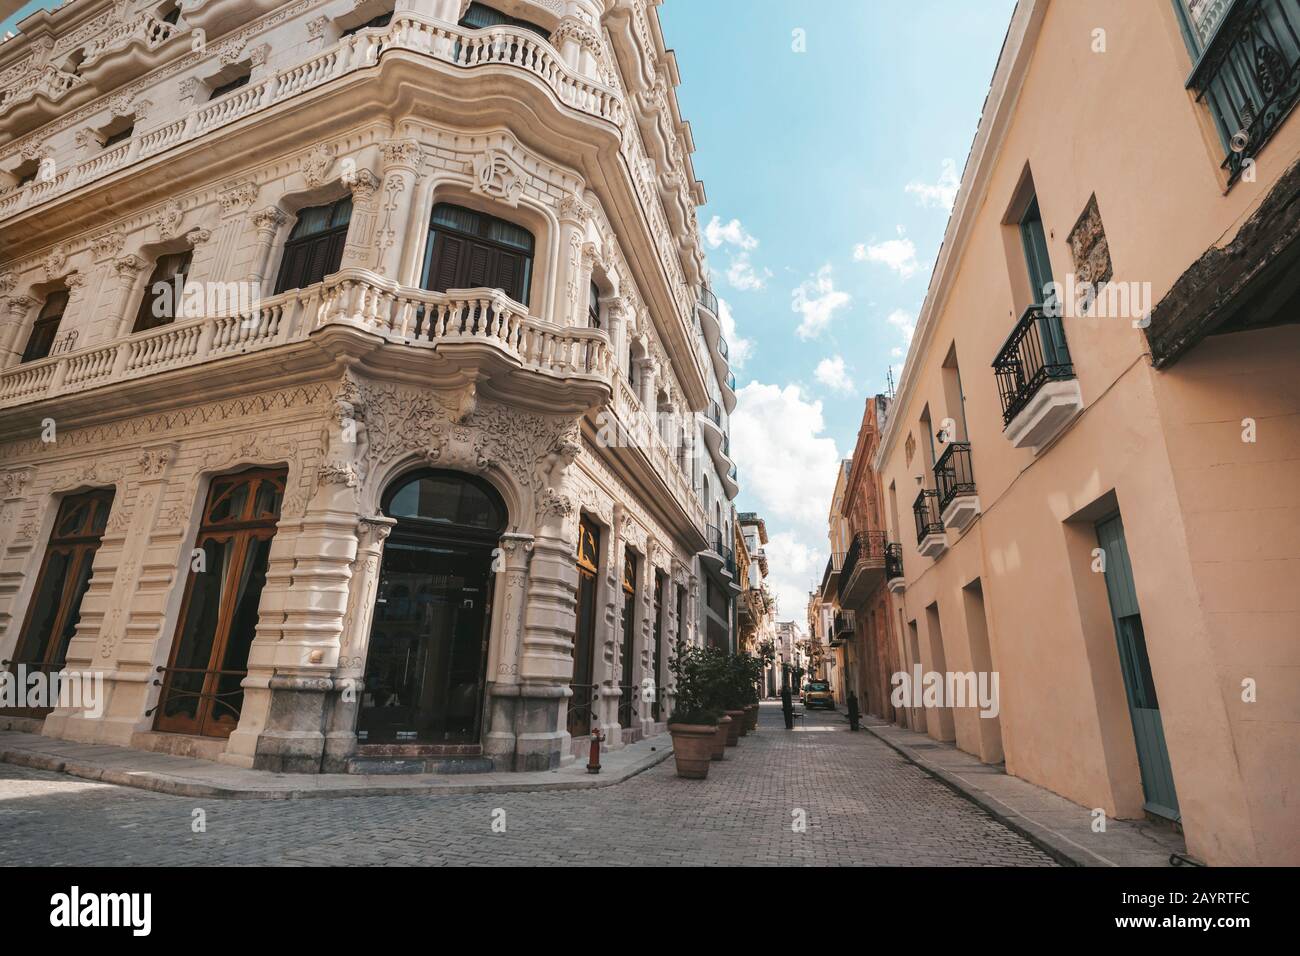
point(742, 274)
point(817, 300)
point(732, 233)
point(905, 322)
point(740, 349)
point(897, 254)
point(832, 373)
point(789, 472)
point(941, 194)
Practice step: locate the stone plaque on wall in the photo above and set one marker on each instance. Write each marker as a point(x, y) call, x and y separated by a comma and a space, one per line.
point(1088, 246)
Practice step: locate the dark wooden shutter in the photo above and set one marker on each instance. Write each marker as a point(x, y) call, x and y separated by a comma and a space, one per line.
point(448, 254)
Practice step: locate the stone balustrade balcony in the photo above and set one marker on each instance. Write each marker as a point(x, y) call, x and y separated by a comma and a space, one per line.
point(433, 335)
point(130, 48)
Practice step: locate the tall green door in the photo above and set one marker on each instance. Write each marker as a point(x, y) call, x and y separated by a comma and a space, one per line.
point(1148, 731)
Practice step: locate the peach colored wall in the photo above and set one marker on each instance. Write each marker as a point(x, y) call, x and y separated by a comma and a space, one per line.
point(1121, 124)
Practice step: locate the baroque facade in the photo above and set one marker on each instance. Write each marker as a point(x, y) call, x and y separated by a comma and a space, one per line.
point(363, 404)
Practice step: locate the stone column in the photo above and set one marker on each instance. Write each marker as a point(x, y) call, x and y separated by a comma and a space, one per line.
point(401, 162)
point(354, 644)
point(129, 270)
point(359, 250)
point(20, 306)
point(509, 715)
point(575, 216)
point(267, 222)
point(549, 623)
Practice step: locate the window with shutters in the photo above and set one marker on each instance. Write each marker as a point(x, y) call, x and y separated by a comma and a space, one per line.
point(162, 293)
point(471, 250)
point(229, 86)
point(46, 326)
point(315, 246)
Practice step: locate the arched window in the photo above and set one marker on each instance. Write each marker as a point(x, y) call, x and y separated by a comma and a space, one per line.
point(162, 293)
point(46, 326)
point(315, 246)
point(471, 250)
point(447, 499)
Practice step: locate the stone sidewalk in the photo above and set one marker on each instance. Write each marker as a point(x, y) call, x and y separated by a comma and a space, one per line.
point(1058, 826)
point(189, 777)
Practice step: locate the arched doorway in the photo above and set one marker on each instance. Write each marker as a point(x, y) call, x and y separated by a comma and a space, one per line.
point(427, 661)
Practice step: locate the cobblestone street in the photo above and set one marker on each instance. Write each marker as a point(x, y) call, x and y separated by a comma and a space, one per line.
point(864, 805)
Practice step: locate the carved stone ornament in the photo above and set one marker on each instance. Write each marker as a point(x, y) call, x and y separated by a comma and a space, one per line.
point(317, 163)
point(498, 176)
point(167, 219)
point(401, 152)
point(12, 482)
point(573, 210)
point(238, 195)
point(363, 184)
point(55, 262)
point(108, 245)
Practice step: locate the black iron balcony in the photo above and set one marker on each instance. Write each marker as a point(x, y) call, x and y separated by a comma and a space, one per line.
point(953, 474)
point(708, 299)
point(1249, 76)
point(1035, 353)
point(893, 561)
point(926, 511)
point(845, 626)
point(864, 566)
point(718, 542)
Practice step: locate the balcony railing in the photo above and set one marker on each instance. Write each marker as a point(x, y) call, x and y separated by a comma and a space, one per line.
point(830, 577)
point(718, 542)
point(1035, 353)
point(723, 347)
point(499, 46)
point(1249, 76)
point(352, 297)
point(926, 511)
point(845, 626)
point(953, 474)
point(893, 561)
point(731, 376)
point(708, 299)
point(866, 549)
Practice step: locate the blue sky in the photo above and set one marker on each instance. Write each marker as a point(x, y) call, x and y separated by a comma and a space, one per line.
point(829, 175)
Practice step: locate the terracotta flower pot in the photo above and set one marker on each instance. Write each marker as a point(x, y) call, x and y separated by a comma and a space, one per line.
point(733, 729)
point(693, 748)
point(720, 738)
point(752, 714)
point(743, 721)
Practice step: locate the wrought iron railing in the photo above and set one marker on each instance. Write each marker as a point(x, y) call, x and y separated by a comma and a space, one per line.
point(833, 565)
point(1034, 354)
point(581, 707)
point(926, 511)
point(718, 542)
point(1249, 75)
point(845, 624)
point(866, 546)
point(893, 561)
point(714, 413)
point(708, 299)
point(628, 711)
point(953, 473)
point(225, 704)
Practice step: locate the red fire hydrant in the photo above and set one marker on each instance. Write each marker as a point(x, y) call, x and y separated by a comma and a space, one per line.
point(593, 763)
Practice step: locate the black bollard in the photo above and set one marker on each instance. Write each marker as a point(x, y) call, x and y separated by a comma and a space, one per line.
point(853, 711)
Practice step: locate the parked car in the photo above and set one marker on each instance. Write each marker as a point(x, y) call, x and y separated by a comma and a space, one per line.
point(817, 693)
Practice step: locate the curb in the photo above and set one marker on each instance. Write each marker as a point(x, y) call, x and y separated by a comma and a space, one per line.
point(1040, 836)
point(177, 787)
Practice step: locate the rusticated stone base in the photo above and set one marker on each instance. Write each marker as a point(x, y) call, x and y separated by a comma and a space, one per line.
point(524, 727)
point(292, 741)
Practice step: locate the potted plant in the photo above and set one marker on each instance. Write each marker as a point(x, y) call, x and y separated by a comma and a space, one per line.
point(755, 667)
point(694, 722)
point(733, 679)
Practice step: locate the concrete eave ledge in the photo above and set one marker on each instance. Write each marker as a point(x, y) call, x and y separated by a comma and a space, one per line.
point(933, 544)
point(1059, 827)
point(1053, 407)
point(190, 777)
point(960, 512)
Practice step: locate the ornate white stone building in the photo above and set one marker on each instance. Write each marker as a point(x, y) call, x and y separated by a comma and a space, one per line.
point(362, 400)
